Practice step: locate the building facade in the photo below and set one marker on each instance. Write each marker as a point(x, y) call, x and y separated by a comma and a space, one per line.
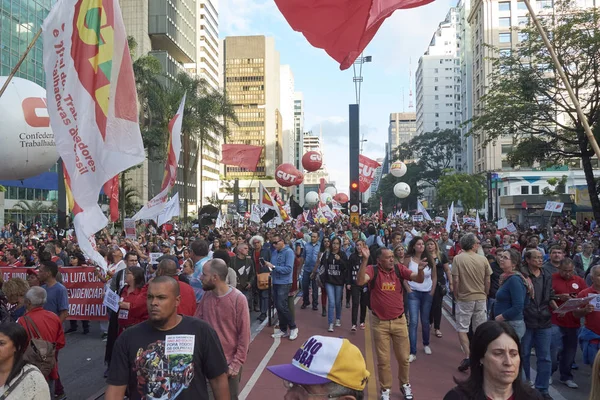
point(286, 104)
point(315, 143)
point(299, 141)
point(465, 55)
point(402, 128)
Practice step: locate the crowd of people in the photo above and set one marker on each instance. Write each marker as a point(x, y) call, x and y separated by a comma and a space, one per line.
point(183, 323)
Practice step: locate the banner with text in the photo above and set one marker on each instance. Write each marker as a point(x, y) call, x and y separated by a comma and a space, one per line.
point(366, 172)
point(84, 289)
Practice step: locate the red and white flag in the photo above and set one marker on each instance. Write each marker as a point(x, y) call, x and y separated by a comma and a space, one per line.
point(366, 172)
point(343, 28)
point(92, 103)
point(158, 203)
point(241, 155)
point(111, 189)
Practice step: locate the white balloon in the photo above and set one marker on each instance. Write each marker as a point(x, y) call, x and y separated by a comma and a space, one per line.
point(326, 198)
point(331, 190)
point(28, 147)
point(398, 169)
point(311, 198)
point(402, 190)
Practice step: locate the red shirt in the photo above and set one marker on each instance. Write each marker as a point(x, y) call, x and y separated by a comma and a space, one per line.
point(138, 309)
point(575, 285)
point(592, 320)
point(387, 300)
point(50, 328)
point(187, 305)
point(454, 250)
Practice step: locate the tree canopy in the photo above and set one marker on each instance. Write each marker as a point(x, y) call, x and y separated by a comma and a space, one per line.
point(527, 103)
point(469, 189)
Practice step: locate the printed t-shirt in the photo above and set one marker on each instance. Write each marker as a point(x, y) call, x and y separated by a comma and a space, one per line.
point(173, 364)
point(592, 320)
point(387, 301)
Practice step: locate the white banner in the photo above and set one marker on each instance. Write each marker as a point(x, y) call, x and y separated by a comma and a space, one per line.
point(171, 210)
point(129, 227)
point(92, 104)
point(554, 206)
point(417, 218)
point(159, 202)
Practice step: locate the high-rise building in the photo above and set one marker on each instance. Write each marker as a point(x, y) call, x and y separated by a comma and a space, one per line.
point(314, 143)
point(286, 107)
point(251, 75)
point(438, 81)
point(299, 140)
point(378, 176)
point(465, 55)
point(402, 128)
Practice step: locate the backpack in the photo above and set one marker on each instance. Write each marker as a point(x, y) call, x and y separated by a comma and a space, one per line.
point(40, 352)
point(373, 279)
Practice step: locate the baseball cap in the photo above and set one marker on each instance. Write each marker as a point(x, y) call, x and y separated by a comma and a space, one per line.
point(321, 360)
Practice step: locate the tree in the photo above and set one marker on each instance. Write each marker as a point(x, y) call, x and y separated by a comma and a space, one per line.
point(559, 186)
point(203, 124)
point(152, 103)
point(385, 191)
point(434, 153)
point(129, 198)
point(468, 189)
point(527, 102)
point(34, 209)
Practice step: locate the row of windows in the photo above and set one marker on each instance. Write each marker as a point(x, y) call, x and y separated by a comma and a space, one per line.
point(230, 79)
point(240, 61)
point(259, 168)
point(541, 4)
point(21, 193)
point(244, 70)
point(245, 97)
point(249, 114)
point(506, 37)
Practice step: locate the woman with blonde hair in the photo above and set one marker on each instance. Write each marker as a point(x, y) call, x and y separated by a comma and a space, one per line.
point(14, 289)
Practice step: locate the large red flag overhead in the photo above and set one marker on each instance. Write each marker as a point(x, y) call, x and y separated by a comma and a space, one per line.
point(241, 155)
point(366, 172)
point(343, 28)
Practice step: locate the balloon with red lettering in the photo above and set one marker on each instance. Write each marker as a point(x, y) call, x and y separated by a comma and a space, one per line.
point(312, 161)
point(341, 198)
point(28, 147)
point(402, 190)
point(398, 169)
point(311, 199)
point(287, 175)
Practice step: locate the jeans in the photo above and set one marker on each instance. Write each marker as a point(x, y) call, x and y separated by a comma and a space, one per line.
point(393, 331)
point(263, 298)
point(540, 339)
point(490, 307)
point(307, 284)
point(563, 350)
point(419, 302)
point(359, 296)
point(334, 300)
point(280, 299)
point(519, 327)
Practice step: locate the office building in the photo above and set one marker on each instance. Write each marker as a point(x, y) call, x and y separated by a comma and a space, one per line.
point(465, 55)
point(315, 143)
point(286, 107)
point(299, 141)
point(402, 128)
point(438, 81)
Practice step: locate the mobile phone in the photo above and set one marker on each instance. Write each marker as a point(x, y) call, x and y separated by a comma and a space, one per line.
point(261, 261)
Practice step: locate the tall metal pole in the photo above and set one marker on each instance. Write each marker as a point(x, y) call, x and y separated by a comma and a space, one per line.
point(62, 196)
point(354, 144)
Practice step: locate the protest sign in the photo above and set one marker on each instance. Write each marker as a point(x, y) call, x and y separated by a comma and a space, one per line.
point(418, 218)
point(84, 289)
point(572, 304)
point(129, 224)
point(154, 258)
point(111, 300)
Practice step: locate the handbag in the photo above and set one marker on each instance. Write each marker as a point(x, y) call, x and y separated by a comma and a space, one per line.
point(40, 352)
point(262, 281)
point(442, 288)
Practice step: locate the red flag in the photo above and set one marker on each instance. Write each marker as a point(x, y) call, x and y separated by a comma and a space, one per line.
point(524, 204)
point(343, 28)
point(381, 208)
point(366, 172)
point(241, 155)
point(111, 189)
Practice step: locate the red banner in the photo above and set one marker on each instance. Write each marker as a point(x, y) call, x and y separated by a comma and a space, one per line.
point(366, 172)
point(85, 291)
point(241, 155)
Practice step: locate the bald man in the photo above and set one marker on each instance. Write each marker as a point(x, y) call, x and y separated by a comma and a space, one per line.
point(140, 360)
point(187, 306)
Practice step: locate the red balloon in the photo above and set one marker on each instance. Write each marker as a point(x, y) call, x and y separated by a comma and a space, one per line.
point(312, 161)
point(341, 198)
point(287, 175)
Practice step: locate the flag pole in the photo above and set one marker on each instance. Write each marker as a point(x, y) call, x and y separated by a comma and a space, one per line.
point(563, 78)
point(18, 64)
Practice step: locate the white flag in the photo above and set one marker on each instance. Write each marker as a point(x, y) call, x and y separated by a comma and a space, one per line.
point(422, 210)
point(478, 223)
point(449, 218)
point(158, 203)
point(220, 222)
point(92, 104)
point(170, 210)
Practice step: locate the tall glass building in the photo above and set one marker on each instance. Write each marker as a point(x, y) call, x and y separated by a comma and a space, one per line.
point(20, 20)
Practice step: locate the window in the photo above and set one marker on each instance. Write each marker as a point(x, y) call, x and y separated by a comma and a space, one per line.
point(521, 5)
point(523, 21)
point(504, 6)
point(435, 88)
point(505, 52)
point(437, 97)
point(504, 37)
point(505, 190)
point(524, 189)
point(504, 22)
point(535, 190)
point(437, 124)
point(522, 36)
point(435, 70)
point(437, 114)
point(544, 4)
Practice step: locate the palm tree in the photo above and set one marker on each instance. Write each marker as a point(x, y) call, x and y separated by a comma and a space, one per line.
point(34, 209)
point(203, 122)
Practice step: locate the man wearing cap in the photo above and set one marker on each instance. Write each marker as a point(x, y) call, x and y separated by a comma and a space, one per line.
point(325, 367)
point(389, 321)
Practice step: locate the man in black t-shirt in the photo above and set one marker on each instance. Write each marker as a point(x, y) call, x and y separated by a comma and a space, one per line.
point(168, 355)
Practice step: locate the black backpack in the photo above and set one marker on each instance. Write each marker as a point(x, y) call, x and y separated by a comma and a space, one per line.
point(372, 281)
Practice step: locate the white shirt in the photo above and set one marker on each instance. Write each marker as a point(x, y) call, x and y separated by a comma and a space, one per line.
point(427, 283)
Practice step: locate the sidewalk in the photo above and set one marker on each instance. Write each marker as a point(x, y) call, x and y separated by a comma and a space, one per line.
point(431, 376)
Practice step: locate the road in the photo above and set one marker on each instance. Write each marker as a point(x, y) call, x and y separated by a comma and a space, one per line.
point(81, 362)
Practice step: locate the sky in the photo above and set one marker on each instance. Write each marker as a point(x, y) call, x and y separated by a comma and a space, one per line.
point(395, 49)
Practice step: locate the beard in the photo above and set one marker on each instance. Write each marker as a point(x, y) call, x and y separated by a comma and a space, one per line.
point(208, 286)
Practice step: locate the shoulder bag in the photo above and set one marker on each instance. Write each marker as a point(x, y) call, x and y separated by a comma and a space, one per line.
point(40, 352)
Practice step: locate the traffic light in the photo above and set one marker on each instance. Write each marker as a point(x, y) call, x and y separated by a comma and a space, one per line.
point(354, 193)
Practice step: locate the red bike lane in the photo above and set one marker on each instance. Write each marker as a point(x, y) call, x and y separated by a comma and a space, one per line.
point(431, 376)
